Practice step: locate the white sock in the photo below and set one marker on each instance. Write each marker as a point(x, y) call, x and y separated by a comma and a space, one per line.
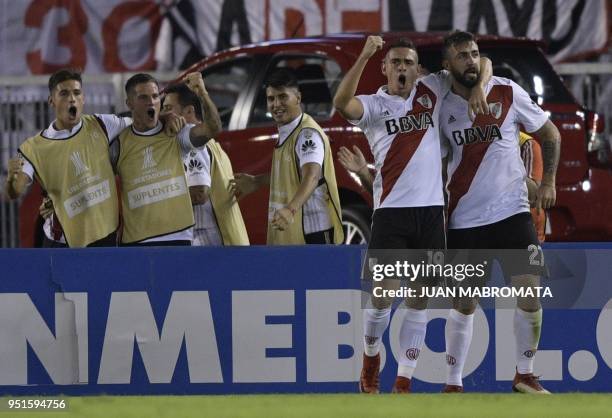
point(458, 335)
point(375, 322)
point(412, 337)
point(527, 327)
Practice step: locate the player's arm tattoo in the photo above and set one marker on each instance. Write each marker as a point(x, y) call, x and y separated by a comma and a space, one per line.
point(550, 156)
point(211, 123)
point(210, 115)
point(551, 150)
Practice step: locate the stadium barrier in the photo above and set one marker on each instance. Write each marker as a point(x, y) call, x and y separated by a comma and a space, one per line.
point(256, 320)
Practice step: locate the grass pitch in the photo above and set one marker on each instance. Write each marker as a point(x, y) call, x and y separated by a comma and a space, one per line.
point(342, 405)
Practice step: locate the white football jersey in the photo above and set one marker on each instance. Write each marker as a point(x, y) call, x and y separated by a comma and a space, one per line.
point(403, 136)
point(486, 177)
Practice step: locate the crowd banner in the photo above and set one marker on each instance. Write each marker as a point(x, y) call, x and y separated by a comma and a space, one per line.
point(41, 36)
point(262, 320)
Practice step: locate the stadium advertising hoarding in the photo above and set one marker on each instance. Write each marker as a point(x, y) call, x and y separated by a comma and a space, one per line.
point(257, 320)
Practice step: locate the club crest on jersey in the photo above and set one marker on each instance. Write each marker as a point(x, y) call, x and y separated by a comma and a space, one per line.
point(495, 109)
point(425, 101)
point(409, 123)
point(487, 133)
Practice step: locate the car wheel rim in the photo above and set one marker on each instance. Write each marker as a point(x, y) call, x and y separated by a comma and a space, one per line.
point(353, 235)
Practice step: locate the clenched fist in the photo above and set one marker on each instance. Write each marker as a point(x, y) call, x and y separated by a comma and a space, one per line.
point(372, 44)
point(195, 82)
point(14, 167)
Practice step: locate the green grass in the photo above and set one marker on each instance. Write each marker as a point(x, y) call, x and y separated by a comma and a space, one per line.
point(317, 406)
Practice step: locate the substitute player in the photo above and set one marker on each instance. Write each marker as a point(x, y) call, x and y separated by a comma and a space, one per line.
point(156, 206)
point(400, 123)
point(70, 159)
point(218, 220)
point(487, 196)
point(304, 206)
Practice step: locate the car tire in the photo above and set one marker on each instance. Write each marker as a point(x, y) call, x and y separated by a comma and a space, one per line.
point(356, 224)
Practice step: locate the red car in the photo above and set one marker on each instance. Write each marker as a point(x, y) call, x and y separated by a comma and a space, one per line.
point(235, 77)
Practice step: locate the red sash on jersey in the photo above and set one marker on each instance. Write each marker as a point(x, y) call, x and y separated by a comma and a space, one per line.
point(474, 153)
point(404, 145)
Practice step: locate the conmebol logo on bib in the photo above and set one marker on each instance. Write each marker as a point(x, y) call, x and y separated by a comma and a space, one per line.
point(147, 158)
point(79, 165)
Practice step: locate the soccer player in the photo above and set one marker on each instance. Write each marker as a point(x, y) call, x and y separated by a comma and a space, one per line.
point(70, 159)
point(156, 206)
point(400, 123)
point(487, 196)
point(218, 220)
point(304, 206)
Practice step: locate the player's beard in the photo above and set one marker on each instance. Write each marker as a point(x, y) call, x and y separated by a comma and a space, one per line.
point(461, 79)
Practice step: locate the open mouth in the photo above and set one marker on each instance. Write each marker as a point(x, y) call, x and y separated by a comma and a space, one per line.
point(72, 110)
point(402, 80)
point(151, 113)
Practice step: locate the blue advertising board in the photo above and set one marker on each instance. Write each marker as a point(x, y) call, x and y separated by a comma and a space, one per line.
point(254, 320)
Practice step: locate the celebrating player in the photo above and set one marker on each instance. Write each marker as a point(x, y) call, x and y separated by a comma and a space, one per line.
point(400, 122)
point(156, 206)
point(70, 159)
point(304, 205)
point(218, 220)
point(487, 196)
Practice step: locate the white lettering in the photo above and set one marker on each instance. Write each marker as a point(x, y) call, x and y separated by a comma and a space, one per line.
point(63, 355)
point(251, 336)
point(156, 192)
point(87, 198)
point(189, 318)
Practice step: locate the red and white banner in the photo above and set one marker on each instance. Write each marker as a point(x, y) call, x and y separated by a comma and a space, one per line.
point(40, 36)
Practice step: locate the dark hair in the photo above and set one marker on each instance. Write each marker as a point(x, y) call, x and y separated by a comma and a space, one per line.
point(186, 97)
point(139, 78)
point(63, 75)
point(401, 43)
point(282, 78)
point(455, 38)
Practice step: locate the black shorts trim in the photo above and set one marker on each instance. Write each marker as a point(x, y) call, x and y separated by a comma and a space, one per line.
point(408, 228)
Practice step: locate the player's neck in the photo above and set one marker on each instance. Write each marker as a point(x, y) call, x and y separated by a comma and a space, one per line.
point(58, 125)
point(141, 126)
point(404, 94)
point(461, 90)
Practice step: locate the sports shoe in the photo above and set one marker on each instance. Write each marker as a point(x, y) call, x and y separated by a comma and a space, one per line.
point(452, 389)
point(369, 382)
point(528, 383)
point(402, 385)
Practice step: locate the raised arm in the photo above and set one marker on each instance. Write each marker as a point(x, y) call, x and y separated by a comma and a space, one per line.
point(211, 125)
point(345, 101)
point(551, 149)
